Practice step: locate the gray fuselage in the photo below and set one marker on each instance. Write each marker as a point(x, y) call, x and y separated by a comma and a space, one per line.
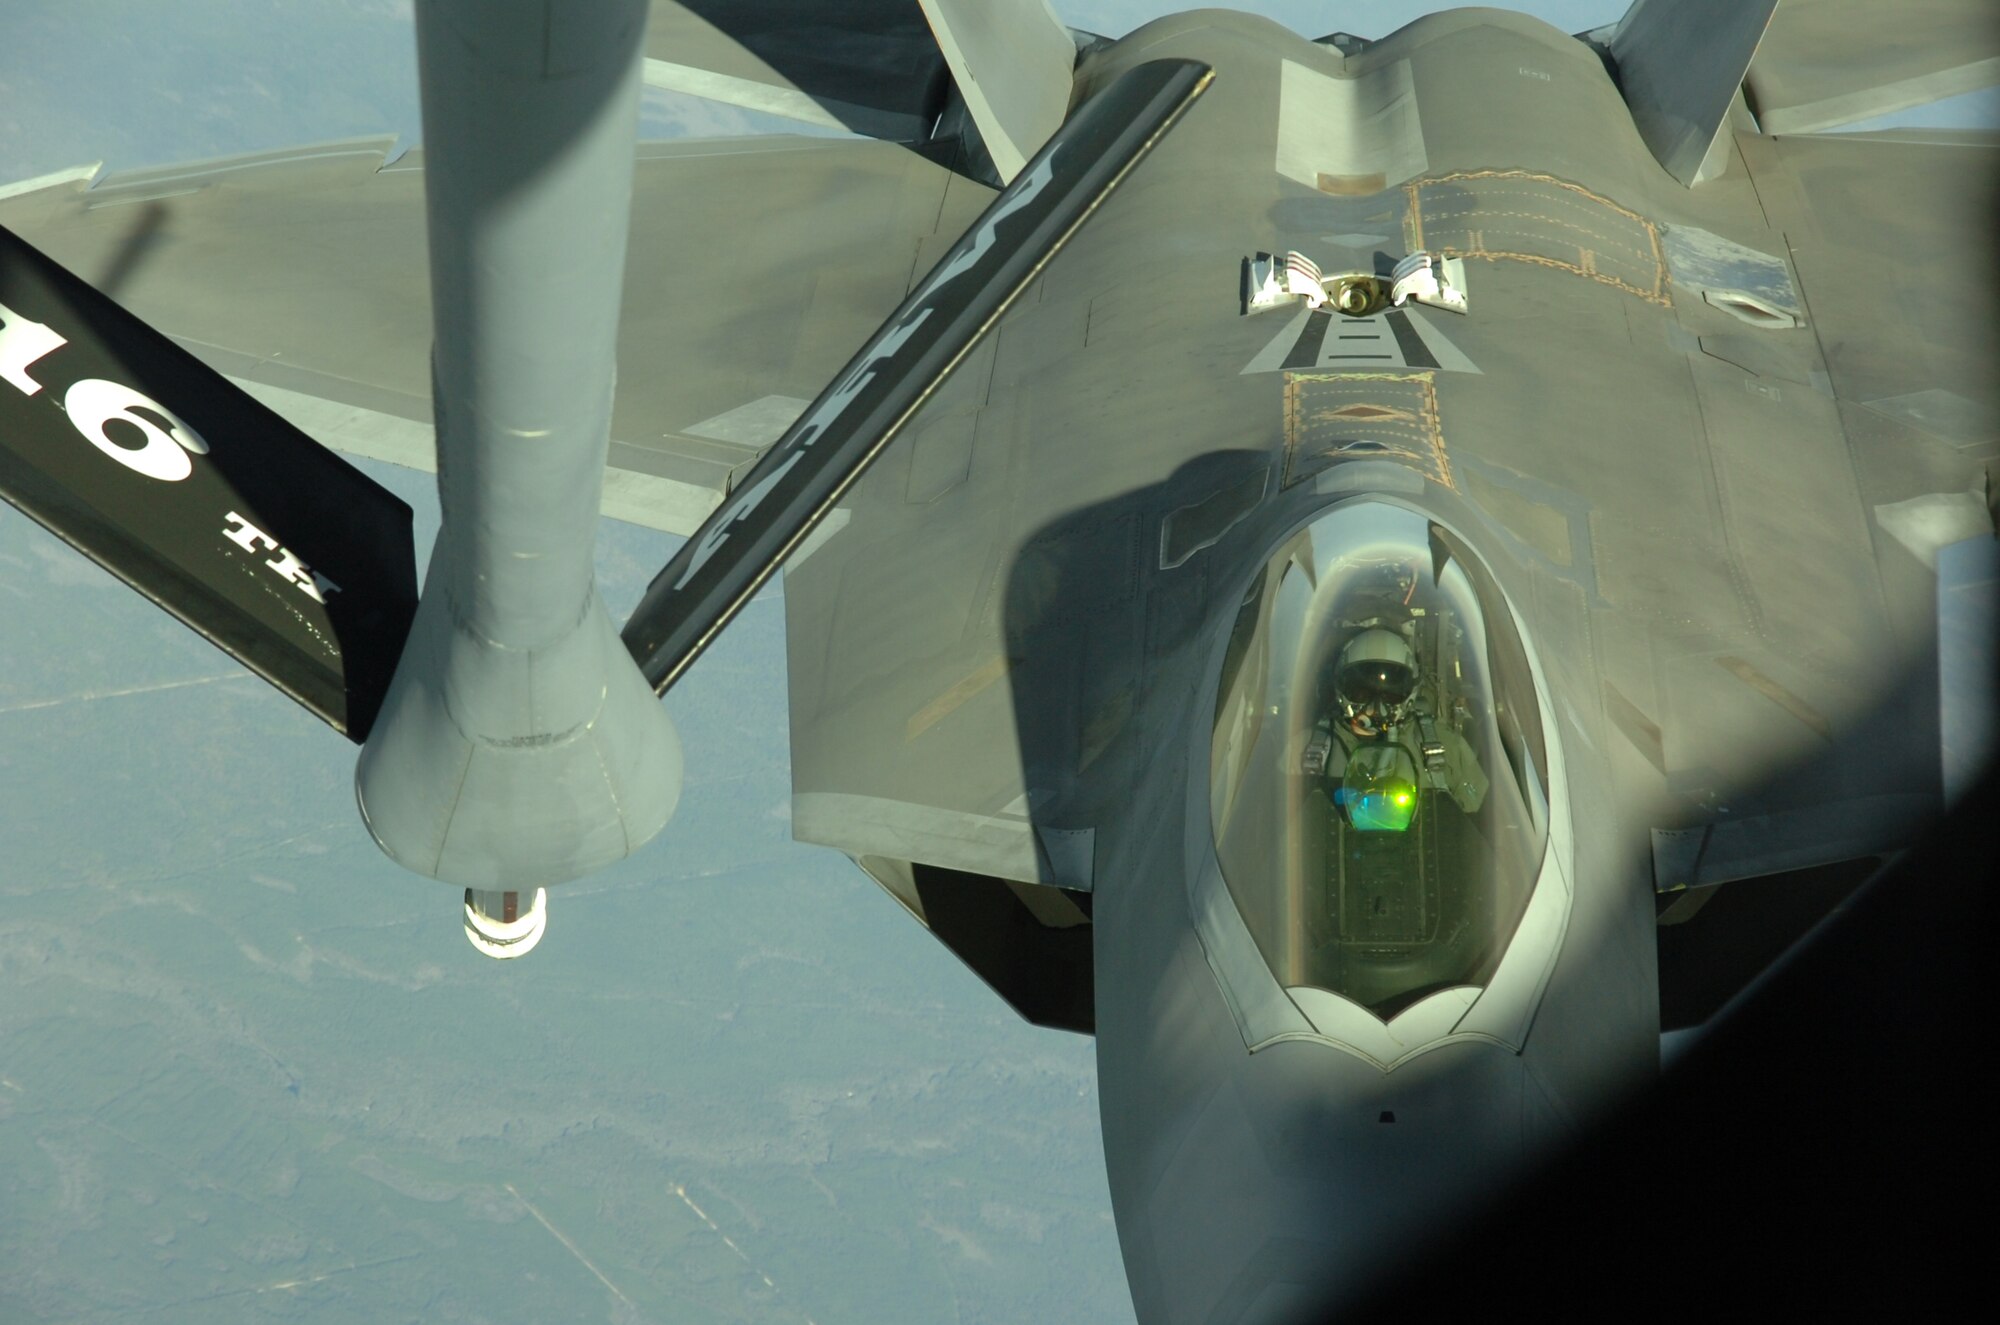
point(1257, 1162)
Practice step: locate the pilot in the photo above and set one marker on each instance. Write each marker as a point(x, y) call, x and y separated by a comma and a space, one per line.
point(1374, 682)
point(1378, 737)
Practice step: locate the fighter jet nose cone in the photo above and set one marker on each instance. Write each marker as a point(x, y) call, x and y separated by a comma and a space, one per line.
point(499, 926)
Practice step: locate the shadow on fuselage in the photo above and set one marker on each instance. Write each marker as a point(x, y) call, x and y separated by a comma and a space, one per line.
point(1088, 614)
point(1092, 618)
point(1811, 1152)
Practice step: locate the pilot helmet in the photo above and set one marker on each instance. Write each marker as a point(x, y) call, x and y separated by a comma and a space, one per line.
point(1374, 680)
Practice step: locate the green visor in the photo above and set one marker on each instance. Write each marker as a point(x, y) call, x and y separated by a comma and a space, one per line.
point(1379, 791)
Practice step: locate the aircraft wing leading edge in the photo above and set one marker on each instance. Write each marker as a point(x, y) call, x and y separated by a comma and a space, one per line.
point(302, 276)
point(1825, 63)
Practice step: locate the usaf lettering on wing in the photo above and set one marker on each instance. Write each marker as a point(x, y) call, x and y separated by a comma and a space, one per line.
point(155, 466)
point(797, 481)
point(93, 404)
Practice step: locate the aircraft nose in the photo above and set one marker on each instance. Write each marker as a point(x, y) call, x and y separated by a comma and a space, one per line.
point(1303, 1178)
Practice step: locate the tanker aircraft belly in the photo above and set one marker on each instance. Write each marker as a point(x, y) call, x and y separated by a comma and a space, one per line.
point(1314, 569)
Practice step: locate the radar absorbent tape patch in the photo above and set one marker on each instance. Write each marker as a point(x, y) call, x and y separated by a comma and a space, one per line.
point(1521, 216)
point(1332, 417)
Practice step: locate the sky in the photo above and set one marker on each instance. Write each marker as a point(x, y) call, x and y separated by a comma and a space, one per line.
point(250, 1070)
point(135, 82)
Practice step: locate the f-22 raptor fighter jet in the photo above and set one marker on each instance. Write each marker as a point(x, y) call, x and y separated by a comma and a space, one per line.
point(1306, 560)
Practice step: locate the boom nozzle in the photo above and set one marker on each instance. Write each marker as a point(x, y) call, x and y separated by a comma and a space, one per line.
point(496, 924)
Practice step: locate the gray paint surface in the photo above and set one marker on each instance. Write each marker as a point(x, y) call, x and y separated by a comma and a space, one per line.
point(1680, 502)
point(1652, 640)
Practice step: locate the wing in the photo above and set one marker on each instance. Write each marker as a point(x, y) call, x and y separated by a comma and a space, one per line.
point(756, 267)
point(1888, 242)
point(1918, 214)
point(1826, 63)
point(1888, 236)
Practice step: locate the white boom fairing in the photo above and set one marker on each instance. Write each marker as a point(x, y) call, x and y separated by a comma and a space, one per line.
point(518, 745)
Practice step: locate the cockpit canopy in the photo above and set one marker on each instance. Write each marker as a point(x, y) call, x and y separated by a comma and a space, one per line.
point(1378, 778)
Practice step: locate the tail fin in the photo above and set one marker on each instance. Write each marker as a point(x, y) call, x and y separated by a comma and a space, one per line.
point(874, 69)
point(870, 68)
point(150, 463)
point(1680, 63)
point(1014, 62)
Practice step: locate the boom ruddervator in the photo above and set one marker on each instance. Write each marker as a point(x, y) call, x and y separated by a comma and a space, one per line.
point(1378, 782)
